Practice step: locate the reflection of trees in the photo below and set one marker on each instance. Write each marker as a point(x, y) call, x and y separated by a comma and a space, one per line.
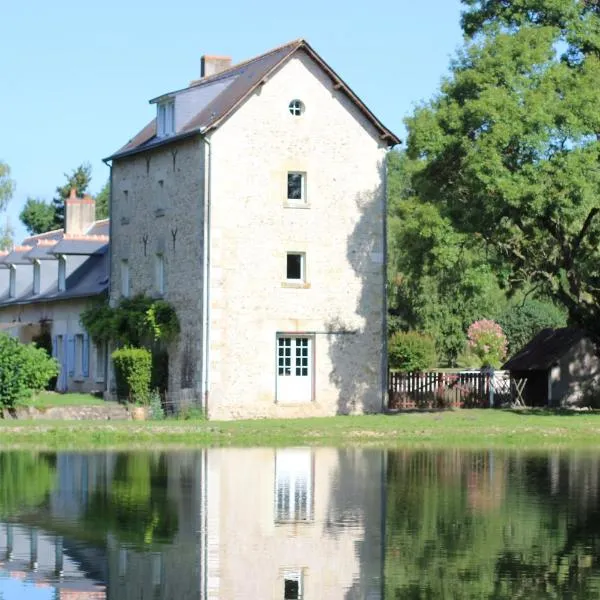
point(135, 506)
point(26, 479)
point(482, 525)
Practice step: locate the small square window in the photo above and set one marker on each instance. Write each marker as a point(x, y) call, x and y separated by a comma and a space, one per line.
point(296, 187)
point(295, 267)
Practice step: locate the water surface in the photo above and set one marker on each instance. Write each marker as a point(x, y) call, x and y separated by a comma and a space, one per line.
point(299, 523)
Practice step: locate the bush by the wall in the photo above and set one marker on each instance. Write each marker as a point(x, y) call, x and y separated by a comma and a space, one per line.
point(411, 351)
point(24, 369)
point(133, 372)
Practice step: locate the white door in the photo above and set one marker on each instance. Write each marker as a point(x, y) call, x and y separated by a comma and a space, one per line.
point(294, 368)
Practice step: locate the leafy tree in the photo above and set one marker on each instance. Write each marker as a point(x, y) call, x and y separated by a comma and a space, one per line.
point(7, 235)
point(441, 280)
point(412, 351)
point(509, 150)
point(522, 320)
point(102, 201)
point(79, 179)
point(7, 185)
point(38, 216)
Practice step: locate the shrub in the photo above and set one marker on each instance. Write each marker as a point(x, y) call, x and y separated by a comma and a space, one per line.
point(24, 369)
point(521, 322)
point(133, 371)
point(157, 412)
point(487, 341)
point(411, 351)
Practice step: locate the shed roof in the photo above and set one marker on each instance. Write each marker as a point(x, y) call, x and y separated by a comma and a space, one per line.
point(227, 90)
point(545, 349)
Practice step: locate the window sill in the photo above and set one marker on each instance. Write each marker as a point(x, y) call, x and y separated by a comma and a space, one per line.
point(159, 212)
point(99, 380)
point(78, 379)
point(289, 204)
point(303, 285)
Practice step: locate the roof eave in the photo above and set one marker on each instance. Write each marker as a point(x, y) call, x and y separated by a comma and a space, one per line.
point(164, 142)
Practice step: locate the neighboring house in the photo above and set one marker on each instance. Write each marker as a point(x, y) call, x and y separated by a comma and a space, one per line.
point(560, 366)
point(255, 203)
point(45, 284)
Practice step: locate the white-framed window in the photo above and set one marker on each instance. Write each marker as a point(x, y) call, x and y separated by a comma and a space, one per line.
point(79, 341)
point(293, 486)
point(36, 276)
point(295, 268)
point(296, 187)
point(62, 273)
point(165, 118)
point(125, 278)
point(293, 585)
point(12, 282)
point(100, 361)
point(296, 107)
point(159, 273)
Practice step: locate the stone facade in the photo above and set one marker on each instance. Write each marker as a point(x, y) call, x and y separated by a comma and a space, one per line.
point(162, 200)
point(157, 210)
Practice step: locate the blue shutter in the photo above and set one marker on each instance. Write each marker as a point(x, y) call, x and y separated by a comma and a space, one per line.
point(85, 359)
point(71, 356)
point(55, 346)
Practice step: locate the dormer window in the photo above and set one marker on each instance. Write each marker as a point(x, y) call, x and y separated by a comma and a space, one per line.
point(165, 118)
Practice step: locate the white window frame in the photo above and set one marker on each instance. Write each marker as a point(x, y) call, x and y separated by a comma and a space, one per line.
point(159, 272)
point(295, 575)
point(78, 367)
point(303, 196)
point(165, 118)
point(100, 364)
point(296, 107)
point(12, 282)
point(36, 277)
point(125, 287)
point(302, 278)
point(62, 273)
point(294, 472)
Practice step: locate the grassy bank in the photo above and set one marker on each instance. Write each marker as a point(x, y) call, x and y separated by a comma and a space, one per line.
point(467, 428)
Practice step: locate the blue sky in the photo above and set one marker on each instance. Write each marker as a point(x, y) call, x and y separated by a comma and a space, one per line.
point(76, 77)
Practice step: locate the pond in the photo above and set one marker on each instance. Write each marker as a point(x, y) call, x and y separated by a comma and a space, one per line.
point(299, 523)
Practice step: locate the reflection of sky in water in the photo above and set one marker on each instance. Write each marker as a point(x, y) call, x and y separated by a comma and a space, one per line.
point(13, 589)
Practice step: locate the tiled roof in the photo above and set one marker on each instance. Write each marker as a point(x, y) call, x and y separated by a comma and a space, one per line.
point(231, 88)
point(545, 349)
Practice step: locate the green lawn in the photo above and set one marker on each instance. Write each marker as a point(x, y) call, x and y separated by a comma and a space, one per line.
point(49, 399)
point(462, 428)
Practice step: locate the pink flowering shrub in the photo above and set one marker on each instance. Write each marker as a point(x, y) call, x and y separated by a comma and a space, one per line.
point(487, 341)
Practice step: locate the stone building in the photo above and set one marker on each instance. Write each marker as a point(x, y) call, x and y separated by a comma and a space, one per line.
point(255, 204)
point(48, 281)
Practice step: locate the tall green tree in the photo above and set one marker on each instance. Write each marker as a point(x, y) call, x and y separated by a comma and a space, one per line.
point(79, 179)
point(7, 185)
point(508, 150)
point(441, 280)
point(7, 236)
point(102, 201)
point(38, 216)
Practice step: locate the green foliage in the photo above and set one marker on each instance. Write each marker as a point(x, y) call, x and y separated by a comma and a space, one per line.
point(136, 321)
point(523, 320)
point(27, 480)
point(191, 412)
point(103, 202)
point(411, 351)
point(508, 150)
point(80, 179)
point(7, 236)
point(133, 371)
point(156, 410)
point(7, 185)
point(24, 369)
point(440, 280)
point(38, 216)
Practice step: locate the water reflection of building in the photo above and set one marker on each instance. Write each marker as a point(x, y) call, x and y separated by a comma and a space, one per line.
point(294, 523)
point(223, 523)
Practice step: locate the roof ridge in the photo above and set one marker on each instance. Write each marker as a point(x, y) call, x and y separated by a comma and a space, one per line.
point(39, 235)
point(86, 236)
point(196, 82)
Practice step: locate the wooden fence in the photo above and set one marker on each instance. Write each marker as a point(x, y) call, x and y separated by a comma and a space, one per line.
point(459, 389)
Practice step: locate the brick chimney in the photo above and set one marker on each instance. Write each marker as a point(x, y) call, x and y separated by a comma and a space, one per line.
point(211, 65)
point(80, 213)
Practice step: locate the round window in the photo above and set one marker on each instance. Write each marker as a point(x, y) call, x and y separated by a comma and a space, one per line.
point(296, 107)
